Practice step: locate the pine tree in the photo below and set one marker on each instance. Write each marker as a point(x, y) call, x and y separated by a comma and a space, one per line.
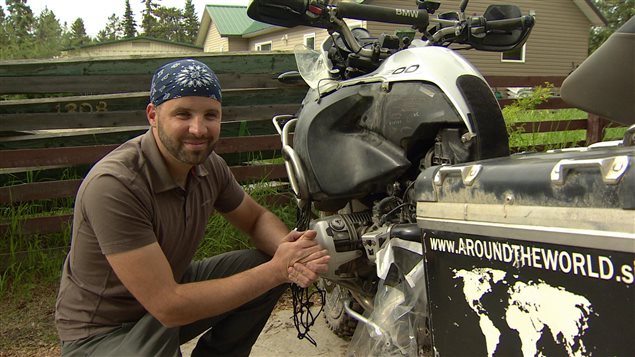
point(129, 24)
point(48, 35)
point(191, 22)
point(174, 24)
point(169, 24)
point(20, 18)
point(112, 31)
point(78, 36)
point(149, 21)
point(18, 30)
point(4, 36)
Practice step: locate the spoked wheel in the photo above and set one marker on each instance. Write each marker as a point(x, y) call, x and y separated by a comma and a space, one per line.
point(336, 317)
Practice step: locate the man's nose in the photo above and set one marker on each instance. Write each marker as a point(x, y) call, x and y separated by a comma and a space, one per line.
point(197, 126)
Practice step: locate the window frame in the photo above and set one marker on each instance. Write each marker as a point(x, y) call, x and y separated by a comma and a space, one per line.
point(258, 46)
point(523, 51)
point(307, 36)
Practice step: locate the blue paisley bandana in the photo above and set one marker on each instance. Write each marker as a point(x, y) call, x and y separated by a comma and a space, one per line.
point(184, 78)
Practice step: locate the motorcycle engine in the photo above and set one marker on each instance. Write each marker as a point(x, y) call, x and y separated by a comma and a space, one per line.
point(352, 241)
point(341, 234)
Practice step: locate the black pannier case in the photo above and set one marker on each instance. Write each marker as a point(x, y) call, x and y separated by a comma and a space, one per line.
point(532, 254)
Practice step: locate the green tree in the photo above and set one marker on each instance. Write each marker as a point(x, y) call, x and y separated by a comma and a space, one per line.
point(129, 24)
point(112, 31)
point(191, 24)
point(617, 12)
point(48, 35)
point(4, 36)
point(169, 24)
point(20, 19)
point(19, 30)
point(149, 20)
point(174, 24)
point(77, 35)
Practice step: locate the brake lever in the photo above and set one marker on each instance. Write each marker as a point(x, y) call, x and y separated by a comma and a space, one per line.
point(455, 29)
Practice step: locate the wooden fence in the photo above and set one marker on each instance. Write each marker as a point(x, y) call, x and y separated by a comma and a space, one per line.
point(79, 110)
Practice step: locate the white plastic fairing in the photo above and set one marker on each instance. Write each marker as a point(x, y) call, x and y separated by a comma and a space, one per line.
point(437, 65)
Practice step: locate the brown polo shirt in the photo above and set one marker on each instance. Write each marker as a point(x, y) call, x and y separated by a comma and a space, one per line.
point(129, 200)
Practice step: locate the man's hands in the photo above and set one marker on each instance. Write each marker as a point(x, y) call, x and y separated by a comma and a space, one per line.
point(297, 258)
point(300, 259)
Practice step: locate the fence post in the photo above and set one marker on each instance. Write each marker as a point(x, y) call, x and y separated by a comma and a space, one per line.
point(595, 128)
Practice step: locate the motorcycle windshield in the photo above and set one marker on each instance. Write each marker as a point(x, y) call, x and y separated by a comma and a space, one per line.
point(313, 65)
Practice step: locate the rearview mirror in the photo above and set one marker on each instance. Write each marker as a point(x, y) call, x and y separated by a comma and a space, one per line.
point(501, 40)
point(285, 13)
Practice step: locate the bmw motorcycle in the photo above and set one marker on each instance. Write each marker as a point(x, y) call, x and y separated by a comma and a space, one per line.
point(379, 111)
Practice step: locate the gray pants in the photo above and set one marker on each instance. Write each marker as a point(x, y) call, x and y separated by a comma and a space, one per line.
point(230, 334)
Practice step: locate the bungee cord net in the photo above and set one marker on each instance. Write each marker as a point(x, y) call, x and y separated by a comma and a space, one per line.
point(304, 299)
point(303, 316)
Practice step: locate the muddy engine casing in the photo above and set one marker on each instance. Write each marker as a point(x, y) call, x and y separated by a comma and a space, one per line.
point(348, 237)
point(342, 235)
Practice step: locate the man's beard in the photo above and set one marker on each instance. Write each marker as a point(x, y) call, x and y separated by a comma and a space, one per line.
point(177, 149)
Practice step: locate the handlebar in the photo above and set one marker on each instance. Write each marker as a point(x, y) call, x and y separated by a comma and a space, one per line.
point(416, 18)
point(510, 24)
point(479, 25)
point(501, 27)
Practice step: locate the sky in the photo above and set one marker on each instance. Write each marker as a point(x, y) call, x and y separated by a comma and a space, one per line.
point(95, 13)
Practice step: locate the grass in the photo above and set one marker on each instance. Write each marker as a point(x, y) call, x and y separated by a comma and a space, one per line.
point(28, 260)
point(30, 268)
point(220, 236)
point(523, 111)
point(526, 140)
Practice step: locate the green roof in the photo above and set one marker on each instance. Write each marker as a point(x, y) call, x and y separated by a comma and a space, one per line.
point(232, 20)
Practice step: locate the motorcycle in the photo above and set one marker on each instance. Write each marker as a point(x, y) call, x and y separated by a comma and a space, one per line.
point(379, 111)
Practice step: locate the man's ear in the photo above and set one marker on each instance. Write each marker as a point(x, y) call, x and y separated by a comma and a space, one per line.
point(151, 115)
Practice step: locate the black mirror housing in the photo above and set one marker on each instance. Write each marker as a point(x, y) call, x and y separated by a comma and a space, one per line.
point(501, 40)
point(285, 13)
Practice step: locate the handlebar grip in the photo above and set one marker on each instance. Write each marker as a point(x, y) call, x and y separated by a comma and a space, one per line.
point(416, 18)
point(510, 24)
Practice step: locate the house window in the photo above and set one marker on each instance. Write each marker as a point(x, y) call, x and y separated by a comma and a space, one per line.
point(517, 55)
point(263, 46)
point(309, 40)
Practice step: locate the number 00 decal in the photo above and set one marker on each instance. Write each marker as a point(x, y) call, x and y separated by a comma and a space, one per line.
point(410, 69)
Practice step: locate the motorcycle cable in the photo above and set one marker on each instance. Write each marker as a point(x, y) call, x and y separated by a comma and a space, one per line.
point(404, 197)
point(385, 217)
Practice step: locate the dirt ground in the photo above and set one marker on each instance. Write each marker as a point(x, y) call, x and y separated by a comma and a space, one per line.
point(26, 324)
point(27, 330)
point(278, 338)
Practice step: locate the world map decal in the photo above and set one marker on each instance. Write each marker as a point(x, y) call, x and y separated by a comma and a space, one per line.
point(532, 309)
point(500, 297)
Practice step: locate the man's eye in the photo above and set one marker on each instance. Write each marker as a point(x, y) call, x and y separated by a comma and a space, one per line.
point(182, 115)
